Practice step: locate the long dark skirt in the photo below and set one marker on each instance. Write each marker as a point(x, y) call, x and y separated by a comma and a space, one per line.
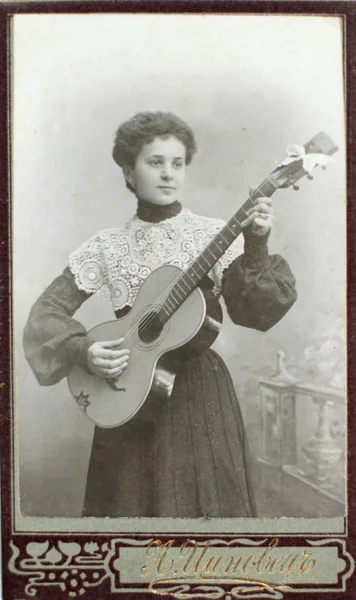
point(185, 457)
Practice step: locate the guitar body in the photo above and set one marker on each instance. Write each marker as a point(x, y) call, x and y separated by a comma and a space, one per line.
point(152, 363)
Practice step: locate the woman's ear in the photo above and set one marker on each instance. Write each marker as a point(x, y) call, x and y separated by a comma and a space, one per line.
point(129, 176)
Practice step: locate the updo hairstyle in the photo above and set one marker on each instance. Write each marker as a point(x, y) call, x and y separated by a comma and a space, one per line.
point(143, 129)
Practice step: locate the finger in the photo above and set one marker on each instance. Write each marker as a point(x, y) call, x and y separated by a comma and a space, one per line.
point(262, 216)
point(261, 224)
point(252, 217)
point(105, 364)
point(112, 343)
point(262, 219)
point(114, 364)
point(247, 221)
point(115, 372)
point(265, 219)
point(112, 354)
point(264, 206)
point(260, 207)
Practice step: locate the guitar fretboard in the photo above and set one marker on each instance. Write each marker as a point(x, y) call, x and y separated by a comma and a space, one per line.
point(190, 279)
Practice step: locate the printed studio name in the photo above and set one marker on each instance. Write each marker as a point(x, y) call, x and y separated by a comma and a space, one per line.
point(194, 561)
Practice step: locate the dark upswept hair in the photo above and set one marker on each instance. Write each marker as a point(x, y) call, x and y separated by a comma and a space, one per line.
point(143, 128)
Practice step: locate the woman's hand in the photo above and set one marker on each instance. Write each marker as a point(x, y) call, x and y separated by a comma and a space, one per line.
point(260, 216)
point(105, 361)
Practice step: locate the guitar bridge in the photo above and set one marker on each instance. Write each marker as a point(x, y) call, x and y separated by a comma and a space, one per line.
point(112, 383)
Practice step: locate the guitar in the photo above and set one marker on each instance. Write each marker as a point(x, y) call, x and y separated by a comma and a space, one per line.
point(171, 317)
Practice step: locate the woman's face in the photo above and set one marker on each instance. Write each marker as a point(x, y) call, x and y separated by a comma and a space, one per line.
point(159, 171)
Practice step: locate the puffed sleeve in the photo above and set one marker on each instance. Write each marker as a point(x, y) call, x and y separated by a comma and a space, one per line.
point(258, 289)
point(53, 340)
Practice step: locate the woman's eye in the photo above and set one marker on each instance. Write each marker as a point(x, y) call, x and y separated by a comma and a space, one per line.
point(178, 165)
point(155, 162)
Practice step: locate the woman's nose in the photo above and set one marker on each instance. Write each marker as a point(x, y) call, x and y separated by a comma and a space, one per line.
point(166, 172)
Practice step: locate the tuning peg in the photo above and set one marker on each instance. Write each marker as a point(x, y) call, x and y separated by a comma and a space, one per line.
point(310, 177)
point(296, 187)
point(323, 167)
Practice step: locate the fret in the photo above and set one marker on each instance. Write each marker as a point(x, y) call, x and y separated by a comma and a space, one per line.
point(241, 212)
point(188, 284)
point(172, 299)
point(213, 243)
point(220, 244)
point(208, 250)
point(231, 231)
point(165, 310)
point(169, 299)
point(224, 238)
point(250, 203)
point(206, 260)
point(197, 264)
point(192, 273)
point(272, 183)
point(234, 220)
point(164, 315)
point(182, 280)
point(193, 280)
point(267, 188)
point(173, 305)
point(175, 291)
point(178, 290)
point(235, 224)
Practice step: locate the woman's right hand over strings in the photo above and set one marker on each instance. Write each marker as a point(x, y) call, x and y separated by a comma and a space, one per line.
point(104, 360)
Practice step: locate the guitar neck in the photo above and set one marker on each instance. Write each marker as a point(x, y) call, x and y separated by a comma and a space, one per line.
point(190, 279)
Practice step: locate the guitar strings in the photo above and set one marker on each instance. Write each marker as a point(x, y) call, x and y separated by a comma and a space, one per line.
point(151, 316)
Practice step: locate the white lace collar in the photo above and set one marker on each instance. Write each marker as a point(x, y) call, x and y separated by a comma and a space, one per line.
point(120, 259)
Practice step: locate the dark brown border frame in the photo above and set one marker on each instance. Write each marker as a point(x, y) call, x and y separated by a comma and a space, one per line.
point(13, 587)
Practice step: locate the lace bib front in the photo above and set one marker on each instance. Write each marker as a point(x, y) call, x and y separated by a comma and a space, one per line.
point(120, 259)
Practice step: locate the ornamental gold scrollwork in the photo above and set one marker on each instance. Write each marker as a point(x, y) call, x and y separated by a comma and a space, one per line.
point(65, 565)
point(244, 589)
point(69, 566)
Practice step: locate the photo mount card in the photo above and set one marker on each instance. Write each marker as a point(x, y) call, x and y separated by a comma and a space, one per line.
point(227, 472)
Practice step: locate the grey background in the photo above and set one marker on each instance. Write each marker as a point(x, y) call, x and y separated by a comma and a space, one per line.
point(248, 86)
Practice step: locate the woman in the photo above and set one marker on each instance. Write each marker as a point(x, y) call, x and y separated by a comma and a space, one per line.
point(185, 457)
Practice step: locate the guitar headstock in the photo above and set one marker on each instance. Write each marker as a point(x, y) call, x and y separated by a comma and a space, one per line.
point(302, 160)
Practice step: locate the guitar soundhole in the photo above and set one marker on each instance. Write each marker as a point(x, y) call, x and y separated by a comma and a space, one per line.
point(150, 328)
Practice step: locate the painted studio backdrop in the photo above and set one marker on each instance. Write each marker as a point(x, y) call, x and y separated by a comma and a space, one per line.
point(248, 86)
